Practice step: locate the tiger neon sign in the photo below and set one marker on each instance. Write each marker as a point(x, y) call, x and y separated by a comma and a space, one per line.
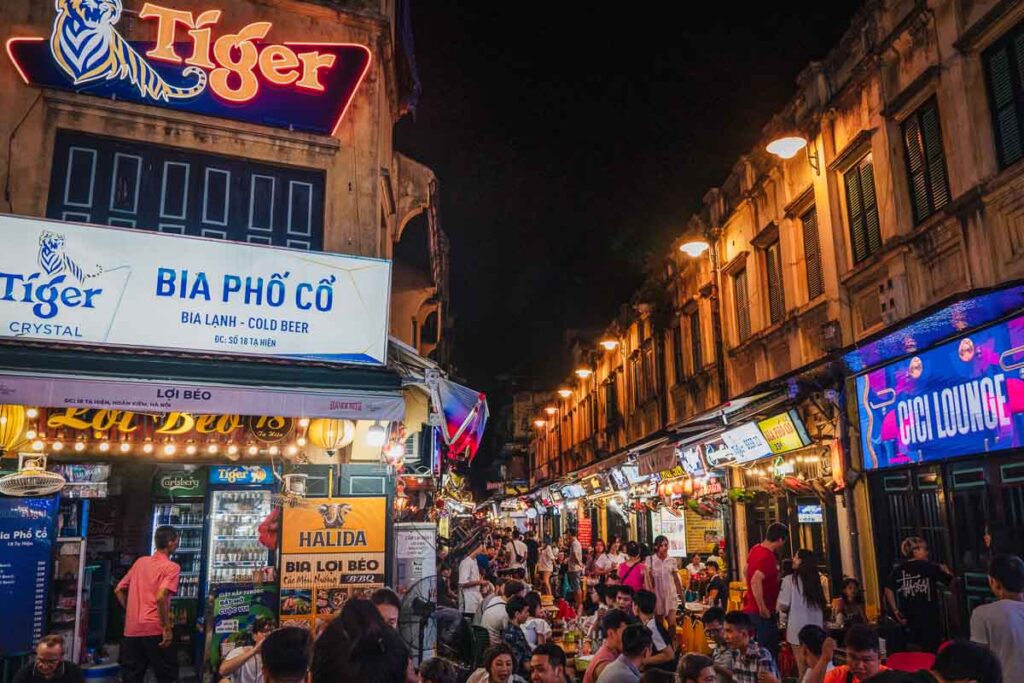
point(239, 75)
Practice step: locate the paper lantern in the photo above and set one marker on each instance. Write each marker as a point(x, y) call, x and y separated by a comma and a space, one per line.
point(12, 424)
point(330, 434)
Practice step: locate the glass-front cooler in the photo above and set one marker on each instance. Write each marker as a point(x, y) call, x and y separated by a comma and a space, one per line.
point(234, 551)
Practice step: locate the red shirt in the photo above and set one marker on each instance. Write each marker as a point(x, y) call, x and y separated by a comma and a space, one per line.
point(146, 577)
point(762, 560)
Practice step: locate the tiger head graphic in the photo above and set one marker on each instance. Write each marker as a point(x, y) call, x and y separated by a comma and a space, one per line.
point(54, 260)
point(87, 47)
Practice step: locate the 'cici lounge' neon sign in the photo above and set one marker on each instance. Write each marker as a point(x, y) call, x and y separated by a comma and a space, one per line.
point(231, 74)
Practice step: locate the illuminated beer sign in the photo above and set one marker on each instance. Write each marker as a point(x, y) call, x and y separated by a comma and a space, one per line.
point(195, 65)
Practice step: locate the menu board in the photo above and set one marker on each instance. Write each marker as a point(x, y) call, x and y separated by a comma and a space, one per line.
point(28, 530)
point(332, 550)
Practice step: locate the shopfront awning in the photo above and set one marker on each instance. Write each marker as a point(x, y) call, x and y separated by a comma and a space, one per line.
point(42, 376)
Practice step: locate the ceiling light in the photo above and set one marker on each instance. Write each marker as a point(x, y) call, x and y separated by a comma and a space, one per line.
point(211, 449)
point(30, 434)
point(80, 446)
point(304, 422)
point(57, 445)
point(301, 441)
point(125, 447)
point(31, 413)
point(147, 448)
point(253, 450)
point(376, 436)
point(169, 449)
point(273, 450)
point(37, 445)
point(191, 449)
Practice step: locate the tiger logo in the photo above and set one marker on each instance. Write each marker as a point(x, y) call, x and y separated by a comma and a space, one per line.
point(88, 48)
point(54, 261)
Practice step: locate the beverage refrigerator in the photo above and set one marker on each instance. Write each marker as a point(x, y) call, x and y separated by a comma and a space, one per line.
point(239, 500)
point(179, 501)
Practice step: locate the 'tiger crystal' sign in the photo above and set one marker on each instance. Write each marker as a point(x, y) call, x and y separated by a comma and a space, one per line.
point(239, 74)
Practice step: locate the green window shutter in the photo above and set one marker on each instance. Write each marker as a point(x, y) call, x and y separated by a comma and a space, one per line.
point(695, 345)
point(934, 156)
point(812, 254)
point(742, 305)
point(855, 215)
point(776, 298)
point(872, 230)
point(999, 70)
point(914, 150)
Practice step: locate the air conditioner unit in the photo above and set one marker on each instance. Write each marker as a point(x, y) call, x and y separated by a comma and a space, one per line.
point(413, 448)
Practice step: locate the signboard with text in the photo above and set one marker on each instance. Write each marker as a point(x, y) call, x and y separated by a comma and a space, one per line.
point(245, 73)
point(784, 432)
point(332, 549)
point(236, 606)
point(64, 282)
point(179, 484)
point(963, 397)
point(746, 443)
point(28, 530)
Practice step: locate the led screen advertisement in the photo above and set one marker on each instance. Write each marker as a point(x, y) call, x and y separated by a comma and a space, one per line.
point(963, 397)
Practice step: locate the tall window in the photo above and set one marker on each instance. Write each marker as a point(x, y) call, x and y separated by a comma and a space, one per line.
point(773, 265)
point(1004, 71)
point(862, 210)
point(926, 161)
point(695, 345)
point(636, 379)
point(812, 254)
point(739, 288)
point(677, 352)
point(131, 184)
point(611, 399)
point(650, 385)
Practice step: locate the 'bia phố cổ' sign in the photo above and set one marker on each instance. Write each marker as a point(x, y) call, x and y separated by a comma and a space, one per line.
point(238, 74)
point(92, 285)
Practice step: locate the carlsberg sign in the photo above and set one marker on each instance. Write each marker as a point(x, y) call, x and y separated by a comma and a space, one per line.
point(95, 285)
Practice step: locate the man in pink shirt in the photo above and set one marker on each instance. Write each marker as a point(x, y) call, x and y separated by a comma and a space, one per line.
point(145, 593)
point(763, 586)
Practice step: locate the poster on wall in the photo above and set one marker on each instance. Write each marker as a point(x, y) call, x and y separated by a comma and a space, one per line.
point(234, 609)
point(87, 284)
point(673, 528)
point(332, 549)
point(963, 397)
point(28, 530)
point(702, 533)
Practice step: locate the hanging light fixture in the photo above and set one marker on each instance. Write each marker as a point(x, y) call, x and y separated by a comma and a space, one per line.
point(331, 434)
point(376, 435)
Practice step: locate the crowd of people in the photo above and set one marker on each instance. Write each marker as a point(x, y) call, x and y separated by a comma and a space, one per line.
point(603, 614)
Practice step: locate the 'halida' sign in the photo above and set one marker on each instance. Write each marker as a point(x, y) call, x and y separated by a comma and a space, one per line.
point(74, 283)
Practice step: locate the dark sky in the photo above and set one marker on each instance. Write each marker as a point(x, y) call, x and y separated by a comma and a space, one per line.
point(572, 139)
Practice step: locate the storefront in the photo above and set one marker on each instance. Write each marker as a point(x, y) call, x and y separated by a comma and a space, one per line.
point(196, 383)
point(941, 409)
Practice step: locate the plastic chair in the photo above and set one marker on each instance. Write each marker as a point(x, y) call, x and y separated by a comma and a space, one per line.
point(910, 661)
point(685, 635)
point(700, 639)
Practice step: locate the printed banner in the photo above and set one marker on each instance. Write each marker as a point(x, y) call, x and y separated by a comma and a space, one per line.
point(235, 607)
point(137, 288)
point(963, 397)
point(332, 549)
point(238, 475)
point(28, 530)
point(144, 396)
point(243, 74)
point(784, 432)
point(664, 523)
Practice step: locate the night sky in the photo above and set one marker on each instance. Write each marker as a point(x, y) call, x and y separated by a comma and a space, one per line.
point(573, 140)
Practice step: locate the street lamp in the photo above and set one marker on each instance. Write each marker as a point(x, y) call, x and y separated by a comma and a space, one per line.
point(539, 424)
point(695, 248)
point(564, 393)
point(609, 344)
point(584, 373)
point(788, 146)
point(551, 410)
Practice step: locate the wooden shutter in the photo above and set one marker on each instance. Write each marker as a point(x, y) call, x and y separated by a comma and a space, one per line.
point(812, 254)
point(1002, 70)
point(695, 345)
point(862, 210)
point(926, 161)
point(677, 352)
point(739, 283)
point(776, 298)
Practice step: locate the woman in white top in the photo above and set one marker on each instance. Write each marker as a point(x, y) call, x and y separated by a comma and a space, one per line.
point(696, 567)
point(662, 579)
point(546, 565)
point(600, 564)
point(615, 553)
point(535, 628)
point(802, 599)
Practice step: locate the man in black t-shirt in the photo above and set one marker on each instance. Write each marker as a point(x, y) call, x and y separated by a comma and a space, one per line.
point(49, 665)
point(532, 554)
point(912, 594)
point(717, 592)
